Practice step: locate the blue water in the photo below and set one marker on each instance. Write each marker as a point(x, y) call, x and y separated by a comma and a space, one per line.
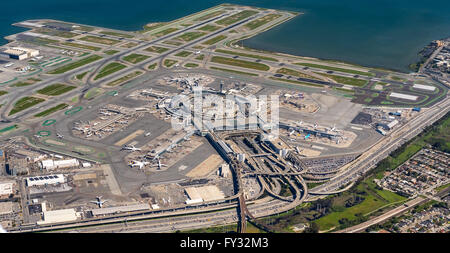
point(377, 33)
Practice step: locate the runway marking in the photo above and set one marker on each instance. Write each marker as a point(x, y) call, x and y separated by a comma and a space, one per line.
point(129, 137)
point(73, 110)
point(318, 147)
point(356, 128)
point(49, 122)
point(44, 133)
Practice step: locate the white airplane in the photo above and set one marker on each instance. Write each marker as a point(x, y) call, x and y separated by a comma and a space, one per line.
point(131, 148)
point(159, 164)
point(89, 134)
point(299, 123)
point(298, 150)
point(315, 125)
point(333, 128)
point(139, 164)
point(292, 132)
point(99, 201)
point(106, 113)
point(187, 138)
point(148, 134)
point(198, 52)
point(37, 136)
point(59, 135)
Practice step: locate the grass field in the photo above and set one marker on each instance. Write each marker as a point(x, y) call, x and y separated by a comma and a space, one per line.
point(29, 81)
point(236, 17)
point(117, 34)
point(135, 58)
point(109, 69)
point(93, 93)
point(262, 21)
point(166, 31)
point(172, 42)
point(6, 129)
point(234, 71)
point(56, 89)
point(124, 78)
point(191, 65)
point(291, 72)
point(100, 40)
point(129, 45)
point(345, 80)
point(80, 76)
point(25, 103)
point(169, 63)
point(152, 66)
point(153, 26)
point(111, 52)
point(75, 65)
point(51, 110)
point(200, 57)
point(209, 28)
point(246, 55)
point(214, 40)
point(336, 69)
point(189, 36)
point(2, 92)
point(82, 46)
point(209, 15)
point(52, 32)
point(240, 63)
point(155, 49)
point(183, 54)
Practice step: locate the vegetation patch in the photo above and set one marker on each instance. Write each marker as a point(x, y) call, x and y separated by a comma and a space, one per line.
point(51, 110)
point(56, 89)
point(124, 78)
point(111, 52)
point(100, 40)
point(191, 65)
point(246, 55)
point(109, 69)
point(53, 32)
point(291, 72)
point(189, 36)
point(152, 66)
point(240, 63)
point(129, 45)
point(236, 17)
point(75, 65)
point(209, 28)
point(25, 103)
point(169, 63)
point(80, 76)
point(166, 31)
point(183, 54)
point(2, 92)
point(82, 46)
point(93, 93)
point(351, 71)
point(214, 40)
point(155, 49)
point(345, 80)
point(200, 57)
point(262, 21)
point(29, 81)
point(135, 58)
point(209, 15)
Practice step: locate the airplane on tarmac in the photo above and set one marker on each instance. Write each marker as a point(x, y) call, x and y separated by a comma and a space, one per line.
point(159, 164)
point(59, 135)
point(99, 201)
point(131, 148)
point(139, 164)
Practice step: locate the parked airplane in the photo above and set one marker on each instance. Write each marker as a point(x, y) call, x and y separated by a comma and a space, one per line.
point(148, 134)
point(131, 148)
point(59, 135)
point(99, 201)
point(159, 164)
point(139, 164)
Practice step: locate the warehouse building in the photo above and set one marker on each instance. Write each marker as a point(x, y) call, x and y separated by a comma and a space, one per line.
point(60, 164)
point(6, 188)
point(45, 180)
point(19, 53)
point(55, 216)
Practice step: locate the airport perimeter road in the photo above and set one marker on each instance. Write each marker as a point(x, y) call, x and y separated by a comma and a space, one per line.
point(382, 149)
point(361, 227)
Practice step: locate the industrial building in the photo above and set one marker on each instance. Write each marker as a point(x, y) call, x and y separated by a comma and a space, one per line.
point(60, 164)
point(6, 188)
point(55, 216)
point(403, 96)
point(19, 53)
point(45, 180)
